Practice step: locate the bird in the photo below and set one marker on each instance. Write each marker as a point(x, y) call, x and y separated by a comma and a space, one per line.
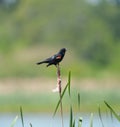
point(55, 59)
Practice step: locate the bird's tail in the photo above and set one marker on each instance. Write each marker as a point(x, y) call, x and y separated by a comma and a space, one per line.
point(42, 62)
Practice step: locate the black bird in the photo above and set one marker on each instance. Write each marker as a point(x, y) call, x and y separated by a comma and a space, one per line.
point(55, 59)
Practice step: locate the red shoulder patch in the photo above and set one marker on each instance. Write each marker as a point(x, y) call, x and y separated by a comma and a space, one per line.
point(58, 57)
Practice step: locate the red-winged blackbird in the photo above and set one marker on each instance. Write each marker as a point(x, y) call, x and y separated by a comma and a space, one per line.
point(55, 59)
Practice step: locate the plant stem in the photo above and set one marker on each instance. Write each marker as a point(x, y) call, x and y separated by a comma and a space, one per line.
point(60, 90)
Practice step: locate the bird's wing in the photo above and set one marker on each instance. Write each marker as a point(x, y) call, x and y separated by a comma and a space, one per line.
point(59, 56)
point(50, 58)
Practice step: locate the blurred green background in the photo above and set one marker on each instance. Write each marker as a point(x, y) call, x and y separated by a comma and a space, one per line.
point(33, 30)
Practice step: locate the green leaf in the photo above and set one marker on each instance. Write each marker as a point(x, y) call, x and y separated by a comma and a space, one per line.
point(100, 116)
point(68, 85)
point(91, 120)
point(73, 124)
point(71, 117)
point(30, 125)
point(79, 100)
point(60, 100)
point(14, 121)
point(69, 82)
point(111, 115)
point(112, 110)
point(21, 114)
point(80, 122)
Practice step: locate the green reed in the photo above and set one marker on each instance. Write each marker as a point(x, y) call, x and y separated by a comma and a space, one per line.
point(72, 121)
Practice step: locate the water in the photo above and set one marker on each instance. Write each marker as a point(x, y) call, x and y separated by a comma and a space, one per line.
point(46, 120)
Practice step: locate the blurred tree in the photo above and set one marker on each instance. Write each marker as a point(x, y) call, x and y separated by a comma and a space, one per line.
point(92, 30)
point(118, 2)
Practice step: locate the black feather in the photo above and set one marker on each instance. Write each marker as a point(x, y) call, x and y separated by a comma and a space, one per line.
point(55, 59)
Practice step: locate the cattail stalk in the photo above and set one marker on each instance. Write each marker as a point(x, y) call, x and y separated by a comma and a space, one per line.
point(59, 89)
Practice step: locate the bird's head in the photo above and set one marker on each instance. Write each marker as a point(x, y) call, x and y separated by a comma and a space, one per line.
point(63, 50)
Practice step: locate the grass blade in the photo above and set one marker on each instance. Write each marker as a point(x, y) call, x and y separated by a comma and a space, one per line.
point(112, 110)
point(73, 124)
point(80, 122)
point(100, 116)
point(60, 100)
point(71, 117)
point(111, 115)
point(14, 121)
point(21, 114)
point(69, 82)
point(91, 120)
point(79, 101)
point(68, 85)
point(30, 125)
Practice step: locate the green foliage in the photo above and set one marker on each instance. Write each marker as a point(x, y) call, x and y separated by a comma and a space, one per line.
point(71, 117)
point(72, 120)
point(91, 120)
point(63, 92)
point(80, 122)
point(100, 116)
point(14, 121)
point(112, 110)
point(31, 125)
point(79, 100)
point(92, 31)
point(69, 82)
point(21, 114)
